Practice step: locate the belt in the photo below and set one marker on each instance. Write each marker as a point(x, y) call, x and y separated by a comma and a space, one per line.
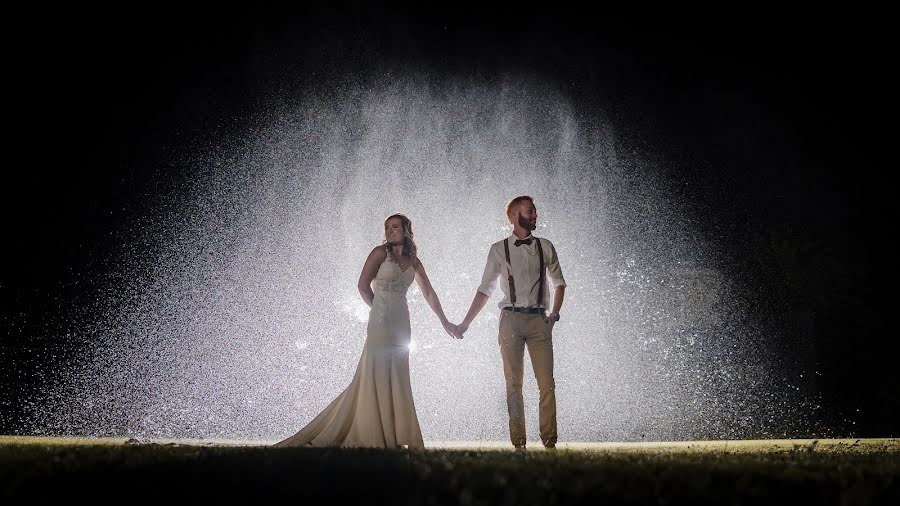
point(526, 310)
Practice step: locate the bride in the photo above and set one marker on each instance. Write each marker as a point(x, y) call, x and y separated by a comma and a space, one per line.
point(377, 410)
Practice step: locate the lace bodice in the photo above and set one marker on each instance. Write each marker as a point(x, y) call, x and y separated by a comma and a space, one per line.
point(390, 278)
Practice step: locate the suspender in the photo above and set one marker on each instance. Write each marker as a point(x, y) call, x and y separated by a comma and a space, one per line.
point(541, 277)
point(512, 282)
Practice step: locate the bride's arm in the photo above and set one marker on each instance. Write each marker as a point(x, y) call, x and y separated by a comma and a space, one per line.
point(369, 270)
point(431, 297)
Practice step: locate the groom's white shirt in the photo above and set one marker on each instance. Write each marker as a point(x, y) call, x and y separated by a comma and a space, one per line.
point(525, 271)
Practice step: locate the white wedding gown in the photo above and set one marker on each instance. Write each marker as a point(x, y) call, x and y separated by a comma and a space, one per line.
point(376, 410)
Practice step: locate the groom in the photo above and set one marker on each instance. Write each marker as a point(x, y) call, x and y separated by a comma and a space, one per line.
point(524, 264)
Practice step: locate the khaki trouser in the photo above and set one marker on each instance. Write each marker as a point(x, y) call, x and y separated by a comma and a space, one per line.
point(518, 330)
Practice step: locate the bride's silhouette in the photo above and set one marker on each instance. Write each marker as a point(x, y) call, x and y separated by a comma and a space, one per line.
point(377, 408)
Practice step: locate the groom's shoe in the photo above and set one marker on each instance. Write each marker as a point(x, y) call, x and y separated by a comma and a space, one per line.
point(520, 449)
point(551, 446)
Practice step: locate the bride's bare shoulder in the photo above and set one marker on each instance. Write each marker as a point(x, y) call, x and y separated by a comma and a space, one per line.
point(378, 253)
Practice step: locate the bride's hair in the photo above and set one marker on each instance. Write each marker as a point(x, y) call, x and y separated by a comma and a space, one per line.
point(409, 242)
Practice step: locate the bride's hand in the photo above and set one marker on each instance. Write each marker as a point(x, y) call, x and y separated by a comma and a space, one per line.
point(450, 328)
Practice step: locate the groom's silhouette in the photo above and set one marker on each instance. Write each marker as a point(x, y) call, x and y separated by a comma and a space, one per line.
point(525, 266)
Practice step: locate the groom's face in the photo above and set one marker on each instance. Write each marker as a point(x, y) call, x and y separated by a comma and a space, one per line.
point(528, 216)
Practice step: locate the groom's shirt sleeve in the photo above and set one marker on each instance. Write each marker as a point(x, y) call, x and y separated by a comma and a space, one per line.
point(491, 271)
point(554, 271)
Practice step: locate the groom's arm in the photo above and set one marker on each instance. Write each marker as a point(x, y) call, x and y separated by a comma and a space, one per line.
point(488, 283)
point(477, 305)
point(559, 293)
point(554, 272)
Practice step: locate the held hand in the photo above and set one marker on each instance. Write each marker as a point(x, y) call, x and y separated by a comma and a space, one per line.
point(460, 330)
point(450, 328)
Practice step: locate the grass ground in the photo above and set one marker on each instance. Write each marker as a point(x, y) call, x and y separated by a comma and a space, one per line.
point(831, 471)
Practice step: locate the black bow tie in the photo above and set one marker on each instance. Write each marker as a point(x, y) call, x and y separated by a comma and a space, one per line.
point(524, 241)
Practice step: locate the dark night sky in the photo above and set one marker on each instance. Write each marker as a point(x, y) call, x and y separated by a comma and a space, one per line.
point(779, 117)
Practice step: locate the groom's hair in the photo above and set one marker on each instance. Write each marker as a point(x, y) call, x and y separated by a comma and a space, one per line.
point(511, 206)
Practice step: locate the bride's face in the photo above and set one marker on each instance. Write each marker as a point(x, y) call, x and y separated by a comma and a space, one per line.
point(393, 231)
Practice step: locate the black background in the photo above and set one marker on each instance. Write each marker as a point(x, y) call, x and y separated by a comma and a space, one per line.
point(782, 119)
